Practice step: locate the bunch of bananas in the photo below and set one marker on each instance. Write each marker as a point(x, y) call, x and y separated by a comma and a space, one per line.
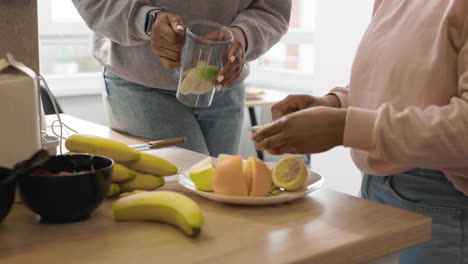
point(135, 174)
point(133, 170)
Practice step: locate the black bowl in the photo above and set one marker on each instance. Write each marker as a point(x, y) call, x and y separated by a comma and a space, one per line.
point(70, 197)
point(7, 197)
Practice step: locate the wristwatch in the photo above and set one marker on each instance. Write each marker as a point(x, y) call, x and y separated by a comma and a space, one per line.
point(150, 17)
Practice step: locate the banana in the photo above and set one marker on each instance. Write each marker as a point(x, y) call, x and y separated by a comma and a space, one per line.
point(125, 194)
point(142, 182)
point(152, 165)
point(164, 206)
point(121, 173)
point(101, 146)
point(113, 190)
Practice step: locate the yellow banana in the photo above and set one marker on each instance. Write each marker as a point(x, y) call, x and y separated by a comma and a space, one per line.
point(121, 173)
point(125, 194)
point(113, 190)
point(152, 164)
point(164, 206)
point(142, 182)
point(101, 146)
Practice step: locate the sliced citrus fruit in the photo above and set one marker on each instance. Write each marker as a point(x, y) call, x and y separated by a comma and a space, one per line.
point(289, 173)
point(200, 173)
point(223, 156)
point(199, 80)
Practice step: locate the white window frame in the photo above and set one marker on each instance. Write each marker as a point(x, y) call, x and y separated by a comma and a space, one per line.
point(51, 33)
point(288, 80)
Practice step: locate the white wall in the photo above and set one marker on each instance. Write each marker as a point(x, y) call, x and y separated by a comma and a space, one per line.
point(89, 107)
point(339, 27)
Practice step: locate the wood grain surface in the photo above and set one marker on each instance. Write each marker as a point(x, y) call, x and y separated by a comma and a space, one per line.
point(324, 227)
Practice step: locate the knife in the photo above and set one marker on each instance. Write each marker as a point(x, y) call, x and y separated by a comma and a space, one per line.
point(160, 143)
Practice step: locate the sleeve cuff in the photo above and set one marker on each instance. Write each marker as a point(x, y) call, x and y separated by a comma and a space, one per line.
point(140, 21)
point(342, 94)
point(359, 128)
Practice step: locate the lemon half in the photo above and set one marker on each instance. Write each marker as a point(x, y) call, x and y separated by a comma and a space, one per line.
point(289, 173)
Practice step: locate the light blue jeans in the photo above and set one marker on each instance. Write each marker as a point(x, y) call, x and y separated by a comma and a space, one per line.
point(426, 192)
point(157, 114)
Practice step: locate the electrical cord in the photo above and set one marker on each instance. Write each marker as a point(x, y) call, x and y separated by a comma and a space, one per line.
point(54, 104)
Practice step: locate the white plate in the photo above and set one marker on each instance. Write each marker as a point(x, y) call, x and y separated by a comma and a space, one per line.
point(313, 182)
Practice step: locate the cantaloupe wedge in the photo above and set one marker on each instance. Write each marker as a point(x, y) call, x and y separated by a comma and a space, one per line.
point(231, 178)
point(258, 177)
point(248, 174)
point(228, 177)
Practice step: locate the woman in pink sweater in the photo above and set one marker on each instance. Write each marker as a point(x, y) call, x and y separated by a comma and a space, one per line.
point(405, 116)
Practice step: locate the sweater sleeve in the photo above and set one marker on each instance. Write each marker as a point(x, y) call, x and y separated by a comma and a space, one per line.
point(435, 137)
point(264, 22)
point(121, 21)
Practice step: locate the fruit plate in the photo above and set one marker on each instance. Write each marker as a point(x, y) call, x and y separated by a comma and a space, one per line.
point(313, 182)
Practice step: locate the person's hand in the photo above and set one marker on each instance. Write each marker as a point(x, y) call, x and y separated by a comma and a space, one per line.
point(234, 62)
point(311, 130)
point(294, 103)
point(167, 38)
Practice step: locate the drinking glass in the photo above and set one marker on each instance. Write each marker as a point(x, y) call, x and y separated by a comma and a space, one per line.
point(203, 54)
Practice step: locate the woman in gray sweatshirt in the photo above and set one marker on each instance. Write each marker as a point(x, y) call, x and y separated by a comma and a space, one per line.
point(139, 41)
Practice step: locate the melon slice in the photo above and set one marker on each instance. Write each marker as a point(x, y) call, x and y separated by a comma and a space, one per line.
point(258, 177)
point(228, 177)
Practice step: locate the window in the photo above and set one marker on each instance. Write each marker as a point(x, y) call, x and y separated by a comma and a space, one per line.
point(65, 58)
point(290, 63)
point(70, 69)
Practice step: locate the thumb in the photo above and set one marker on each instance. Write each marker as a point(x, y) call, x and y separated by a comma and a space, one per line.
point(176, 23)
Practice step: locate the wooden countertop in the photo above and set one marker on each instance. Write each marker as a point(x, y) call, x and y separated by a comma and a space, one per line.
point(324, 227)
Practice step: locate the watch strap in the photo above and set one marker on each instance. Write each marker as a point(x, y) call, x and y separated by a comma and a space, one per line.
point(150, 18)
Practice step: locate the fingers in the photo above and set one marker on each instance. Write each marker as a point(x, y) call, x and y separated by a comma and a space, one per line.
point(176, 23)
point(270, 130)
point(168, 63)
point(284, 107)
point(271, 143)
point(217, 35)
point(233, 72)
point(169, 54)
point(167, 36)
point(163, 43)
point(281, 150)
point(232, 68)
point(279, 110)
point(231, 78)
point(169, 27)
point(166, 32)
point(234, 61)
point(234, 53)
point(291, 104)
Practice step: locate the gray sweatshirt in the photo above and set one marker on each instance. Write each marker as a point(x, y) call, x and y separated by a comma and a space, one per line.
point(121, 45)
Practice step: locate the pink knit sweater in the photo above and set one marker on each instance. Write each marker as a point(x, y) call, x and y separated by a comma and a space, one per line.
point(408, 95)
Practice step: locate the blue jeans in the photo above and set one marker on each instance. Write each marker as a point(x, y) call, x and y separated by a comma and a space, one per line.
point(157, 114)
point(426, 192)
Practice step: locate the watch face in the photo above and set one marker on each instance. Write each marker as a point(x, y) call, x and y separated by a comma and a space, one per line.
point(149, 22)
point(150, 17)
